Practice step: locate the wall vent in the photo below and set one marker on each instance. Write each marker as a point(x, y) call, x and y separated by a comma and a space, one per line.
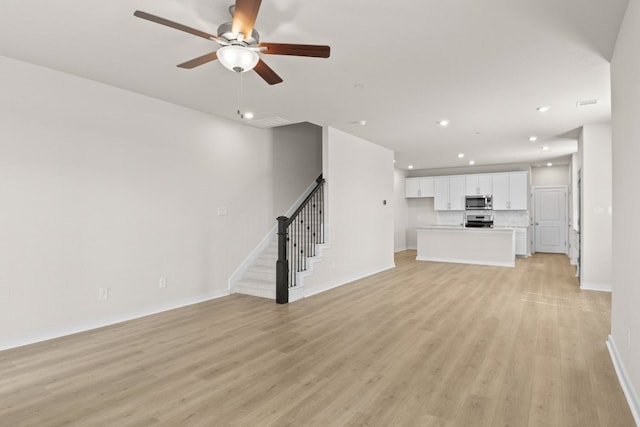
point(586, 102)
point(269, 122)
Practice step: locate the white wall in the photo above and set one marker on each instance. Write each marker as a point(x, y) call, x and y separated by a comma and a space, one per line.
point(359, 178)
point(551, 176)
point(420, 213)
point(400, 211)
point(297, 161)
point(104, 188)
point(596, 213)
point(625, 307)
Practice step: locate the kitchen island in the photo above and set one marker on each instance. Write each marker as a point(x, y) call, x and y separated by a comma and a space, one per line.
point(457, 244)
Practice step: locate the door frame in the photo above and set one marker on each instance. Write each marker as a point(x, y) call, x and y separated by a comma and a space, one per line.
point(566, 214)
point(579, 221)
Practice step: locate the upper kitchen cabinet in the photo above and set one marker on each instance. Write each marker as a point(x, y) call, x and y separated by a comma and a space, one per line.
point(510, 191)
point(419, 187)
point(478, 185)
point(449, 193)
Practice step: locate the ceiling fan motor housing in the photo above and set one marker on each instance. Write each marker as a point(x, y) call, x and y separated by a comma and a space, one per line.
point(225, 32)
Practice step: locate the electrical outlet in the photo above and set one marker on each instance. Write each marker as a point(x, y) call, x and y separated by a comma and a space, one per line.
point(103, 294)
point(223, 211)
point(162, 283)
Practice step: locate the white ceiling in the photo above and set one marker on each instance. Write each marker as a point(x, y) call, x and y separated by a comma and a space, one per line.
point(400, 65)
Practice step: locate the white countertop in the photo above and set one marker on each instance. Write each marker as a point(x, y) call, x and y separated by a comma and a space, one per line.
point(461, 228)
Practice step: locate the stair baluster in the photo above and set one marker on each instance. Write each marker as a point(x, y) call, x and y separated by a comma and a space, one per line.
point(298, 236)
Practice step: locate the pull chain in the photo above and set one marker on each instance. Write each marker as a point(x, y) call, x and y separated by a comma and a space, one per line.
point(239, 97)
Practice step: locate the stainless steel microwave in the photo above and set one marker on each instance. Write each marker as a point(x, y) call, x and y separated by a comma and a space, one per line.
point(478, 202)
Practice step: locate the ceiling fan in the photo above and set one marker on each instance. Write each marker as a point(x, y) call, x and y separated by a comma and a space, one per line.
point(240, 42)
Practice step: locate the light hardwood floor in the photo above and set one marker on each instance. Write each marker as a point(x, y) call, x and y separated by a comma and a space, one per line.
point(424, 344)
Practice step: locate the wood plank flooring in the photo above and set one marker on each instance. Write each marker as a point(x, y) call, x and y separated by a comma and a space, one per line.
point(424, 344)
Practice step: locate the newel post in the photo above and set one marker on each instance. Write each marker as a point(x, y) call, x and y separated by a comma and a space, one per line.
point(282, 265)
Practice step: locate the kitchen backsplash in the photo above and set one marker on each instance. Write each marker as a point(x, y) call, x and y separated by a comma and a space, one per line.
point(450, 217)
point(500, 218)
point(511, 218)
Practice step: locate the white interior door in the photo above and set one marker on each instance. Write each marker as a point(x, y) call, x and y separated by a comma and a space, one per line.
point(550, 216)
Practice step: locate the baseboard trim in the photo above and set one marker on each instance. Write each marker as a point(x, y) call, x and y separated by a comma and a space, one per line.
point(623, 379)
point(346, 280)
point(466, 261)
point(601, 287)
point(113, 320)
point(396, 250)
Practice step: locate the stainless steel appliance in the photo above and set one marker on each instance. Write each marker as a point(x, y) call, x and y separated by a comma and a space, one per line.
point(479, 221)
point(478, 202)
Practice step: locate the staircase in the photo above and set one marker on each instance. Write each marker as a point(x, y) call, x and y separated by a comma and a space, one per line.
point(260, 278)
point(276, 269)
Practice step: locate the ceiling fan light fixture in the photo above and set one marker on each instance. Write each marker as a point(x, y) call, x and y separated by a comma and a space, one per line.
point(238, 58)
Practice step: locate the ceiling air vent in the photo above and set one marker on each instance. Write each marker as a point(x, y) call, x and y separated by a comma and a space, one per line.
point(269, 122)
point(586, 102)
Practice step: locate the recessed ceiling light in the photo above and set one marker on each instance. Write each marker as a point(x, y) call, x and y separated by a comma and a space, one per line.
point(543, 108)
point(460, 155)
point(410, 166)
point(444, 122)
point(247, 115)
point(394, 161)
point(472, 162)
point(549, 164)
point(533, 138)
point(545, 148)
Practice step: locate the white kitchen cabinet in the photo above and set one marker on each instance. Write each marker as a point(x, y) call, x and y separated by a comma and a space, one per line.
point(500, 183)
point(449, 193)
point(441, 194)
point(412, 187)
point(510, 191)
point(456, 193)
point(518, 190)
point(419, 187)
point(521, 242)
point(478, 185)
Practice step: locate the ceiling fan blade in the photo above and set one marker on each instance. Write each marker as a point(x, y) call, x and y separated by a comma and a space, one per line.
point(199, 60)
point(162, 21)
point(315, 51)
point(267, 73)
point(244, 16)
